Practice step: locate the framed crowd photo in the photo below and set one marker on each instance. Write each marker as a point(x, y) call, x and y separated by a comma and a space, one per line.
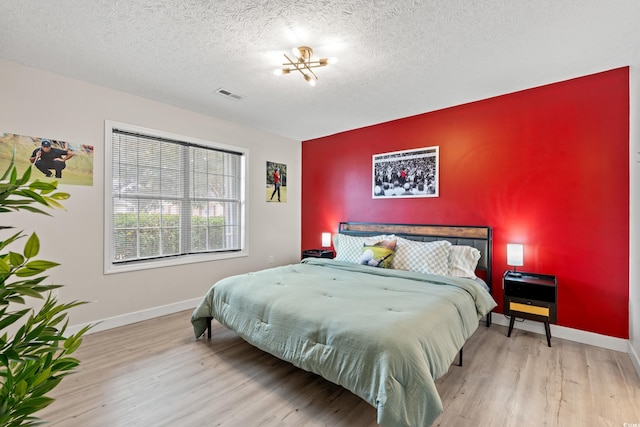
point(409, 173)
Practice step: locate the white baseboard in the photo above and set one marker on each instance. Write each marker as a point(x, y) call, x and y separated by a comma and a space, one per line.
point(137, 316)
point(635, 358)
point(584, 337)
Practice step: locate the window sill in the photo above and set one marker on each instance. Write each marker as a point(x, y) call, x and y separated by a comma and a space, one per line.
point(110, 268)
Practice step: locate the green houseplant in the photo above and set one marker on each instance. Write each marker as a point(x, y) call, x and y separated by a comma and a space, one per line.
point(35, 348)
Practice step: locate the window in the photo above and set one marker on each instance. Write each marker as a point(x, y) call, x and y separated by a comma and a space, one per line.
point(173, 199)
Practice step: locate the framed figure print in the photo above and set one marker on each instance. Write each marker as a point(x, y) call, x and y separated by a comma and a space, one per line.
point(52, 159)
point(409, 173)
point(276, 182)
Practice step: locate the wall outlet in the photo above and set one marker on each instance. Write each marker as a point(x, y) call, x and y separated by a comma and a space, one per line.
point(270, 259)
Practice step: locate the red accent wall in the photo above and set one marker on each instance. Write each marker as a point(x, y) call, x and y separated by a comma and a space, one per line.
point(547, 167)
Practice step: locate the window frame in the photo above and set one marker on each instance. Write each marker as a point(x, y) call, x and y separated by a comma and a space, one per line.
point(137, 265)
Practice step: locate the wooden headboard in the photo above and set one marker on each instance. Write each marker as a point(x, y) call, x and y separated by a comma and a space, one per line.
point(478, 237)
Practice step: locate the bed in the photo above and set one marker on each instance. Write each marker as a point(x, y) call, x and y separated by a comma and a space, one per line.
point(385, 334)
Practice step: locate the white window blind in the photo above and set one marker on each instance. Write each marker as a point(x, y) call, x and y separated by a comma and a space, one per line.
point(173, 198)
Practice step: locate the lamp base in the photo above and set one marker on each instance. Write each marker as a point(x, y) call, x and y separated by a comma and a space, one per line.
point(515, 274)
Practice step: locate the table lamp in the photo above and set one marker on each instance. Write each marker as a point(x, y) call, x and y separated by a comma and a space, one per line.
point(326, 240)
point(515, 257)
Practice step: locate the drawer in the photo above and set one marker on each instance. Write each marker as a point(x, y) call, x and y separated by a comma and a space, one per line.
point(531, 309)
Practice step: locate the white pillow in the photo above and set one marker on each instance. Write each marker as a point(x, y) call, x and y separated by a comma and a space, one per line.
point(464, 260)
point(423, 257)
point(349, 248)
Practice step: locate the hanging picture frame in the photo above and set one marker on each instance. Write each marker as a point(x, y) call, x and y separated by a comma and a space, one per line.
point(406, 174)
point(276, 182)
point(52, 159)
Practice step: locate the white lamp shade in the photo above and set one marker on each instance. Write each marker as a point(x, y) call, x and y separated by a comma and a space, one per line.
point(326, 240)
point(515, 254)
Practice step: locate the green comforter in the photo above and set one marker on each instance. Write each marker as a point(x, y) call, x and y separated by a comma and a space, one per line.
point(386, 335)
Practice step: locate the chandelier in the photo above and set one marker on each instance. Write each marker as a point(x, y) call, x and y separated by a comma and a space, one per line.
point(304, 64)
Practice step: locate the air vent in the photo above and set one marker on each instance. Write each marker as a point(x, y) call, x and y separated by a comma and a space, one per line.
point(228, 94)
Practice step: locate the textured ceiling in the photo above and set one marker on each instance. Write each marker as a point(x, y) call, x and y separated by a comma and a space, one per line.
point(396, 58)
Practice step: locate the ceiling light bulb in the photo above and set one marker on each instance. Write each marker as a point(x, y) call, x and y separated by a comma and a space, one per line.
point(309, 80)
point(326, 61)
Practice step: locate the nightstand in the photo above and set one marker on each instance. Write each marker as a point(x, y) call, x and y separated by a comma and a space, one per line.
point(317, 253)
point(530, 296)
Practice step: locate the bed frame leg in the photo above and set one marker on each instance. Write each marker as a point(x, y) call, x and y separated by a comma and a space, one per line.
point(209, 319)
point(488, 319)
point(460, 358)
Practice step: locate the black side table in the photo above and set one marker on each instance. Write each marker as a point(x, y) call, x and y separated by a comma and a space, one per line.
point(317, 253)
point(530, 296)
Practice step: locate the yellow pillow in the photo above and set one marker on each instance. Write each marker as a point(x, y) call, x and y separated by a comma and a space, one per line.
point(379, 254)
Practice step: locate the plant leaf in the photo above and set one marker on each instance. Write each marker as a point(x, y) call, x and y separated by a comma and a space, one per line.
point(32, 195)
point(15, 258)
point(25, 176)
point(20, 389)
point(32, 247)
point(41, 265)
point(42, 186)
point(11, 166)
point(60, 196)
point(5, 268)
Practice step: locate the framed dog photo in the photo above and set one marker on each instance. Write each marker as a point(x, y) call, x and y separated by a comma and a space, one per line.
point(406, 174)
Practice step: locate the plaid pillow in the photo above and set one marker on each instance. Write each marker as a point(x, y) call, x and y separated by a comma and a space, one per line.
point(423, 257)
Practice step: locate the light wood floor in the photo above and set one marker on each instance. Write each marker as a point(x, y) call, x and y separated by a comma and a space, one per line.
point(155, 373)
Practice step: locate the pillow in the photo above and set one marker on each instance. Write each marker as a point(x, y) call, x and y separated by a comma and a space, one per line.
point(349, 248)
point(423, 257)
point(334, 241)
point(464, 260)
point(379, 254)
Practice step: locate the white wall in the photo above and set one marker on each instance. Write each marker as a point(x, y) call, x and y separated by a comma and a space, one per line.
point(41, 104)
point(634, 238)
